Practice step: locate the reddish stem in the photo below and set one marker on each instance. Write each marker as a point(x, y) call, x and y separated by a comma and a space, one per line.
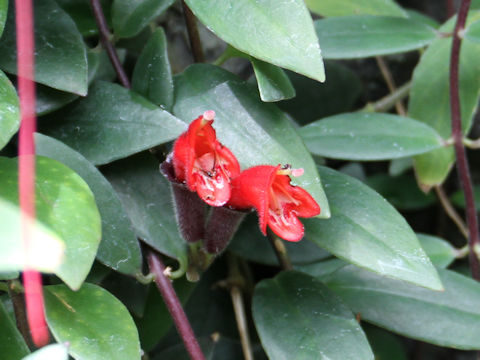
point(457, 135)
point(174, 307)
point(26, 165)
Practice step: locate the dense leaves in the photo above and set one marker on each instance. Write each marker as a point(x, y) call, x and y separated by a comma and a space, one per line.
point(12, 345)
point(9, 112)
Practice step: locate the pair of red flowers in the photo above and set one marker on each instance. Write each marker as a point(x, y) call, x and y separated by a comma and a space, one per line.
point(210, 169)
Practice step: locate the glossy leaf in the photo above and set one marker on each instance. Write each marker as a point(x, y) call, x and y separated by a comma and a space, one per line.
point(50, 352)
point(250, 244)
point(3, 14)
point(429, 100)
point(60, 53)
point(355, 7)
point(369, 136)
point(112, 123)
point(119, 248)
point(315, 100)
point(422, 18)
point(130, 17)
point(12, 345)
point(45, 247)
point(256, 132)
point(363, 36)
point(446, 318)
point(296, 314)
point(152, 76)
point(367, 231)
point(9, 111)
point(64, 203)
point(273, 83)
point(440, 252)
point(146, 197)
point(321, 268)
point(401, 191)
point(93, 321)
point(82, 14)
point(278, 33)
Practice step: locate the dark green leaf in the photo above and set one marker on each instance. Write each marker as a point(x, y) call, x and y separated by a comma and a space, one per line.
point(422, 18)
point(296, 314)
point(446, 318)
point(12, 345)
point(64, 203)
point(366, 230)
point(401, 191)
point(60, 55)
point(152, 76)
point(363, 36)
point(93, 321)
point(369, 136)
point(385, 345)
point(50, 352)
point(49, 99)
point(316, 100)
point(146, 198)
point(112, 123)
point(355, 7)
point(9, 111)
point(273, 83)
point(256, 132)
point(45, 247)
point(278, 33)
point(321, 268)
point(131, 16)
point(458, 198)
point(440, 252)
point(429, 99)
point(81, 12)
point(249, 243)
point(119, 248)
point(3, 14)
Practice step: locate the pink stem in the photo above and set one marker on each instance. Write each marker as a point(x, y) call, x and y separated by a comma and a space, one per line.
point(26, 165)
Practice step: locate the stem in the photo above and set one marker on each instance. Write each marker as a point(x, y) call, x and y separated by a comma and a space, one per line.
point(193, 36)
point(174, 307)
point(462, 163)
point(451, 212)
point(238, 307)
point(280, 250)
point(387, 102)
point(105, 38)
point(387, 76)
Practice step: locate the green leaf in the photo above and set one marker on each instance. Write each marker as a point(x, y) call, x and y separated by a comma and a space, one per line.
point(385, 345)
point(256, 132)
point(12, 345)
point(145, 195)
point(81, 12)
point(60, 53)
point(9, 111)
point(45, 247)
point(369, 136)
point(278, 33)
point(296, 314)
point(119, 248)
point(64, 203)
point(458, 198)
point(250, 244)
point(273, 83)
point(131, 16)
point(448, 318)
point(321, 268)
point(152, 76)
point(316, 100)
point(112, 123)
point(93, 321)
point(367, 231)
point(50, 352)
point(429, 100)
point(3, 14)
point(355, 7)
point(422, 18)
point(472, 32)
point(363, 36)
point(440, 252)
point(8, 275)
point(401, 191)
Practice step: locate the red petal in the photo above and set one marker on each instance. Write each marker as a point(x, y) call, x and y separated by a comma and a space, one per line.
point(287, 226)
point(302, 203)
point(215, 191)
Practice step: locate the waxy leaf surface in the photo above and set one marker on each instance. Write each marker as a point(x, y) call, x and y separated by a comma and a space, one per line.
point(9, 111)
point(355, 7)
point(273, 83)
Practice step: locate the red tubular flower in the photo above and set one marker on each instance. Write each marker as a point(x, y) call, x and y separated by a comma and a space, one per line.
point(203, 163)
point(278, 203)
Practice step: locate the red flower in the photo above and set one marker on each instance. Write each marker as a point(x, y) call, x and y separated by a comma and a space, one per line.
point(278, 203)
point(203, 163)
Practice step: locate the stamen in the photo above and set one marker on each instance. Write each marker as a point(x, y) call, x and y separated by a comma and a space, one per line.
point(209, 115)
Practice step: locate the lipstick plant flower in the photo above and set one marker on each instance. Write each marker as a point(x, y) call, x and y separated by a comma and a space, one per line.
point(203, 163)
point(278, 203)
